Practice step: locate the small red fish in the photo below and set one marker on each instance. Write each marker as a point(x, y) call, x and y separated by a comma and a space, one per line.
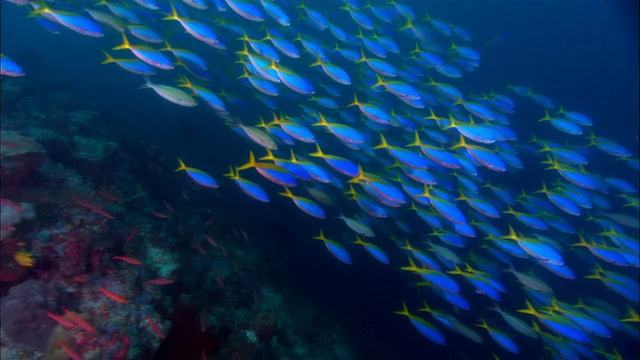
point(133, 233)
point(224, 251)
point(109, 196)
point(155, 326)
point(160, 281)
point(202, 251)
point(80, 321)
point(219, 278)
point(113, 296)
point(211, 240)
point(81, 278)
point(128, 260)
point(94, 208)
point(62, 321)
point(244, 235)
point(169, 207)
point(72, 353)
point(159, 215)
point(235, 233)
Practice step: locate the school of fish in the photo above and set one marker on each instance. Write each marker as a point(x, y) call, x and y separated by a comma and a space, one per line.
point(365, 103)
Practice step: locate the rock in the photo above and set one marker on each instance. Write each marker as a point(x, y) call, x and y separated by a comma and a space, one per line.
point(21, 157)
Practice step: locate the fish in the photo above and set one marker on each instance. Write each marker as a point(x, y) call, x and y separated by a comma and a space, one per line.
point(248, 187)
point(68, 324)
point(159, 281)
point(70, 20)
point(146, 54)
point(357, 226)
point(515, 323)
point(156, 328)
point(132, 234)
point(207, 95)
point(73, 354)
point(170, 93)
point(276, 12)
point(373, 250)
point(343, 132)
point(9, 67)
point(132, 65)
point(340, 164)
point(335, 249)
point(500, 337)
point(199, 176)
point(159, 215)
point(144, 33)
point(376, 105)
point(24, 258)
point(304, 204)
point(424, 327)
point(558, 324)
point(531, 281)
point(273, 172)
point(196, 29)
point(80, 321)
point(246, 9)
point(128, 260)
point(114, 296)
point(94, 208)
point(259, 137)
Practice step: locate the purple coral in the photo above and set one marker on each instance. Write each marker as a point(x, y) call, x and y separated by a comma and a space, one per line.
point(23, 314)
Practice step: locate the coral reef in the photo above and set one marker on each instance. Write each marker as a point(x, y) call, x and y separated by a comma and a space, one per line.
point(23, 313)
point(11, 214)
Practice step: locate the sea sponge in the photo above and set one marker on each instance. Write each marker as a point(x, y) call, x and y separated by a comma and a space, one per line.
point(23, 314)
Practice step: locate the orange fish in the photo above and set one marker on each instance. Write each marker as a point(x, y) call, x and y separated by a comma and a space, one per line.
point(62, 321)
point(128, 260)
point(80, 321)
point(116, 297)
point(160, 281)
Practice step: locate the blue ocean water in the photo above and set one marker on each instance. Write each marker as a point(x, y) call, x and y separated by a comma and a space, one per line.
point(583, 55)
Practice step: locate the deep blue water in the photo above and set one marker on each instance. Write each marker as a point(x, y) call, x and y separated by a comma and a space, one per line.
point(582, 54)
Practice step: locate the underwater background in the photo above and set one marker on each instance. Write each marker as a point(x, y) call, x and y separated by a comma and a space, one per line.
point(88, 165)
